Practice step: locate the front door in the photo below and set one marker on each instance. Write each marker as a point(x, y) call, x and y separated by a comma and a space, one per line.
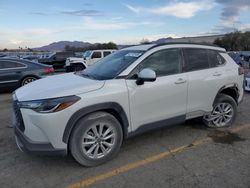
point(163, 99)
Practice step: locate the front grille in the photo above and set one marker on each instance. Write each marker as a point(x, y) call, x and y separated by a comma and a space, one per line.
point(18, 116)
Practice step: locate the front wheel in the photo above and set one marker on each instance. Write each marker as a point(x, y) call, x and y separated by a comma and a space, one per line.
point(96, 139)
point(223, 114)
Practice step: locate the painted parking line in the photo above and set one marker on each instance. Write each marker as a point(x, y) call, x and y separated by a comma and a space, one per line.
point(148, 160)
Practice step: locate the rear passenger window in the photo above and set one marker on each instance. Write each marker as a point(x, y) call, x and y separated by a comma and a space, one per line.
point(96, 55)
point(195, 59)
point(10, 65)
point(215, 59)
point(106, 53)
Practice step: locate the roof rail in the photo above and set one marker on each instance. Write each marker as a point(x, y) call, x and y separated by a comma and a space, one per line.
point(171, 43)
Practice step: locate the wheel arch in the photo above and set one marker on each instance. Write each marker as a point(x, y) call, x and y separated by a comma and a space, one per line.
point(110, 107)
point(78, 63)
point(231, 90)
point(26, 76)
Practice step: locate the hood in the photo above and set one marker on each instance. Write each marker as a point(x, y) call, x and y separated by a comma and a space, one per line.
point(57, 86)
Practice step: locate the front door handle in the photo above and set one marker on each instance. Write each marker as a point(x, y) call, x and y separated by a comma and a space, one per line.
point(217, 74)
point(180, 81)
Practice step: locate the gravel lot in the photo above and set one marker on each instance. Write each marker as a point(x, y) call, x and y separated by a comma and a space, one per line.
point(188, 155)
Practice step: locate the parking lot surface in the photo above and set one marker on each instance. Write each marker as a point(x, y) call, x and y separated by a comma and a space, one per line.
point(187, 155)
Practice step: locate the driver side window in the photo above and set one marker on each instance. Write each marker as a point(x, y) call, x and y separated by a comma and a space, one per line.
point(164, 62)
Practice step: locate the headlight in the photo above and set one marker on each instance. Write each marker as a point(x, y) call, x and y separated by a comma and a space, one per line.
point(50, 105)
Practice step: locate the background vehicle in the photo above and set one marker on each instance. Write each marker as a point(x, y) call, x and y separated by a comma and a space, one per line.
point(131, 91)
point(33, 58)
point(15, 73)
point(57, 60)
point(89, 58)
point(247, 82)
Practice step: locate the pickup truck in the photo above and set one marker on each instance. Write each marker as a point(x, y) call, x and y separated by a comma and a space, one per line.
point(89, 58)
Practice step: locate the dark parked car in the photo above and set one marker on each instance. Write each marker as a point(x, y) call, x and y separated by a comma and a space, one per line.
point(57, 60)
point(15, 73)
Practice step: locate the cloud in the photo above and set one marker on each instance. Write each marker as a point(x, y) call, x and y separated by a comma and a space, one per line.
point(133, 9)
point(83, 12)
point(245, 27)
point(111, 24)
point(176, 9)
point(231, 13)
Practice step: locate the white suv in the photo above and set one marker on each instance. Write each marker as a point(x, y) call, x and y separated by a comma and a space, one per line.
point(89, 58)
point(133, 90)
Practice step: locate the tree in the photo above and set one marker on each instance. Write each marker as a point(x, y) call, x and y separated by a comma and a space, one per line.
point(236, 41)
point(96, 46)
point(145, 41)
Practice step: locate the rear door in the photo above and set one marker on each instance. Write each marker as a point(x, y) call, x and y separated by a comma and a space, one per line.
point(206, 76)
point(10, 73)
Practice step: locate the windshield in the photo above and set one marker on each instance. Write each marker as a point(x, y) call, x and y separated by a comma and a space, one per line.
point(112, 65)
point(86, 54)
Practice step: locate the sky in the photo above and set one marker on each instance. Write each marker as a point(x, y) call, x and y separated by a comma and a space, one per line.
point(34, 23)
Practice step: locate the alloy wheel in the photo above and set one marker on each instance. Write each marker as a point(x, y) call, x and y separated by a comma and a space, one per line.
point(98, 141)
point(221, 115)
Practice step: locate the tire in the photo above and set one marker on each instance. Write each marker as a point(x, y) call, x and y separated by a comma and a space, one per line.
point(78, 67)
point(223, 114)
point(28, 80)
point(92, 153)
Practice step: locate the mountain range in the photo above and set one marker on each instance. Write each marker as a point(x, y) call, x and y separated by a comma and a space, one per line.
point(60, 46)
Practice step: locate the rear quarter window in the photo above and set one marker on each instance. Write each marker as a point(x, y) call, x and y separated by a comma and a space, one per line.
point(215, 59)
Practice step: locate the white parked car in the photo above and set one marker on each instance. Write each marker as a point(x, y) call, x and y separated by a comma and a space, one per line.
point(90, 113)
point(247, 82)
point(89, 58)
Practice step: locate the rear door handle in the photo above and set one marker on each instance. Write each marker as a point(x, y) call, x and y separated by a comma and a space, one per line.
point(180, 81)
point(217, 74)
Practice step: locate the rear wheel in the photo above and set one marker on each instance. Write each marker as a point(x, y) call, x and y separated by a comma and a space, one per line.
point(28, 80)
point(223, 114)
point(96, 139)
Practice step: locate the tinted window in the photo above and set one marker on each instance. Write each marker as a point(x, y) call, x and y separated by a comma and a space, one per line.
point(10, 64)
point(96, 55)
point(106, 53)
point(164, 62)
point(195, 59)
point(215, 59)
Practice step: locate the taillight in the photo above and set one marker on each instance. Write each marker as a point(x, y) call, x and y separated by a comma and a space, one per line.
point(241, 71)
point(49, 70)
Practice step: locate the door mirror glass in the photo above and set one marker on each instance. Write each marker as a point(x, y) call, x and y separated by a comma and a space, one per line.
point(146, 75)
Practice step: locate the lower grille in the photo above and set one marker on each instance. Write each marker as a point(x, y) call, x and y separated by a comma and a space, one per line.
point(18, 116)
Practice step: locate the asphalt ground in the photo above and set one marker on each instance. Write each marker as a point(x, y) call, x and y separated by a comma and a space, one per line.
point(187, 155)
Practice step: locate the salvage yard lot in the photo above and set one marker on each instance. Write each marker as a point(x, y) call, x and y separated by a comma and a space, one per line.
point(188, 155)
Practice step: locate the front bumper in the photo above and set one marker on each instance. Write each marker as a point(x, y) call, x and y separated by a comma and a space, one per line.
point(26, 145)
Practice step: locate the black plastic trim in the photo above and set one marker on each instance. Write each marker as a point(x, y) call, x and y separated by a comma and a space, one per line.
point(234, 86)
point(26, 145)
point(157, 125)
point(90, 109)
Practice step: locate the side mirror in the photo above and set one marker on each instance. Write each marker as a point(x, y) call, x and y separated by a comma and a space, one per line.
point(146, 75)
